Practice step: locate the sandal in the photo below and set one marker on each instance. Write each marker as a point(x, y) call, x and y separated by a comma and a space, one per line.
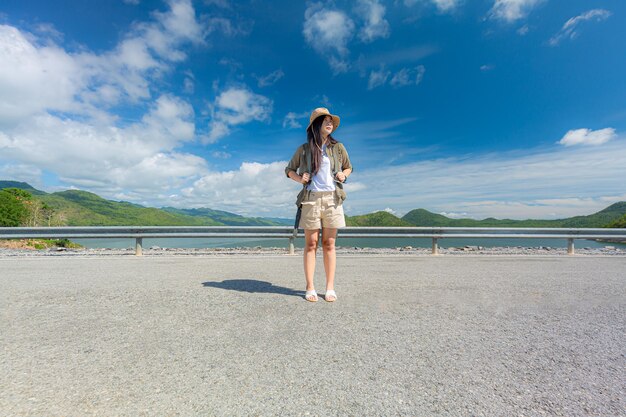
point(311, 296)
point(330, 293)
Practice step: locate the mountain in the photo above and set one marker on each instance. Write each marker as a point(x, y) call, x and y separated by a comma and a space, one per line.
point(224, 217)
point(424, 218)
point(377, 219)
point(281, 221)
point(22, 186)
point(421, 217)
point(621, 222)
point(82, 208)
point(600, 219)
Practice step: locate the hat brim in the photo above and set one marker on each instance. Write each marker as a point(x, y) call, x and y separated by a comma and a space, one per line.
point(336, 121)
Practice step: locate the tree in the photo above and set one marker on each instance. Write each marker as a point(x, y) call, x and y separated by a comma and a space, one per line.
point(19, 208)
point(621, 222)
point(13, 211)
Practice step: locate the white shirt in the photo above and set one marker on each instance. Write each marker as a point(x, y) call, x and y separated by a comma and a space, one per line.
point(323, 180)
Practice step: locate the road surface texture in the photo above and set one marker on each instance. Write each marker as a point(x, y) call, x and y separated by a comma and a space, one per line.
point(230, 336)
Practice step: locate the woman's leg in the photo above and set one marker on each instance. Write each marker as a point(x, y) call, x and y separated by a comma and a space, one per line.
point(330, 259)
point(311, 237)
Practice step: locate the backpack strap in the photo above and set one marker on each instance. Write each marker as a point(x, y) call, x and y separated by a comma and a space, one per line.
point(306, 154)
point(307, 157)
point(336, 159)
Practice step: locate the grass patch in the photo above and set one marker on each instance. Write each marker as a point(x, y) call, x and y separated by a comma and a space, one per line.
point(38, 244)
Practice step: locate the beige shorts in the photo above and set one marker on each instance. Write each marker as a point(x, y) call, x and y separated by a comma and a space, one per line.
point(322, 209)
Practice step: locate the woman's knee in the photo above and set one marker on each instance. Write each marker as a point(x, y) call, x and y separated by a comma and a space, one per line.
point(311, 244)
point(328, 244)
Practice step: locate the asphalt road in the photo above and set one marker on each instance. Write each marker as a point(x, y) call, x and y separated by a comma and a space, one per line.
point(231, 336)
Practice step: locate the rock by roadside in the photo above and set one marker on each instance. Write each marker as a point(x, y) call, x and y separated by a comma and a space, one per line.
point(399, 251)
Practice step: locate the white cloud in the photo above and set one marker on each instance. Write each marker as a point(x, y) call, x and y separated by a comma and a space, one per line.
point(446, 5)
point(401, 78)
point(443, 6)
point(328, 32)
point(106, 157)
point(588, 137)
point(378, 78)
point(523, 31)
point(354, 186)
point(541, 183)
point(486, 67)
point(512, 10)
point(454, 215)
point(395, 56)
point(323, 100)
point(291, 120)
point(57, 108)
point(568, 31)
point(48, 30)
point(271, 78)
point(224, 4)
point(232, 64)
point(21, 172)
point(408, 76)
point(180, 22)
point(38, 76)
point(221, 154)
point(189, 85)
point(376, 26)
point(226, 26)
point(235, 106)
point(169, 122)
point(253, 189)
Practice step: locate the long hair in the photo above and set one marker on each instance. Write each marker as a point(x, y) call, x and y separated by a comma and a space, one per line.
point(315, 143)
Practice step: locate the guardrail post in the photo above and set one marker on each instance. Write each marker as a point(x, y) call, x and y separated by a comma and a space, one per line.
point(435, 247)
point(570, 246)
point(138, 242)
point(291, 248)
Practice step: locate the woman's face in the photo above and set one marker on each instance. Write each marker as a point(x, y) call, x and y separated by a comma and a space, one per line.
point(327, 126)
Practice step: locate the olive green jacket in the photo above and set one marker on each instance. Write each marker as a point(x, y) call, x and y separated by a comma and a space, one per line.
point(300, 163)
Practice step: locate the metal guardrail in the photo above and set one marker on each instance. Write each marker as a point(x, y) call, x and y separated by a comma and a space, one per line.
point(434, 233)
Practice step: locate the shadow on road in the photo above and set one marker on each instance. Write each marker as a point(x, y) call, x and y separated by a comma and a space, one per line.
point(252, 286)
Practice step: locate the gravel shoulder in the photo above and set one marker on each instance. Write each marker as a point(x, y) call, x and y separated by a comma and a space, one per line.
point(341, 251)
point(232, 335)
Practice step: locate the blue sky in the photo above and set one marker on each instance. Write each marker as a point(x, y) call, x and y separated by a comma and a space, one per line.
point(470, 108)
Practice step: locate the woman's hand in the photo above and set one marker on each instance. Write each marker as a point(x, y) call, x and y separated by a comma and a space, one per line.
point(341, 176)
point(305, 178)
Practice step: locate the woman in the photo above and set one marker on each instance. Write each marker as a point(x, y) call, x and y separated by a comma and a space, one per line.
point(322, 165)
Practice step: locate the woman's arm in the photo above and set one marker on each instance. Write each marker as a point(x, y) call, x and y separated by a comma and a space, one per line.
point(297, 178)
point(345, 164)
point(291, 170)
point(343, 175)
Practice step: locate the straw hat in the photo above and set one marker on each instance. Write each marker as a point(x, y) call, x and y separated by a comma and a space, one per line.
point(323, 111)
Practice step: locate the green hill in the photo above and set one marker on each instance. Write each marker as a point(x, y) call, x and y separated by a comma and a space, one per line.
point(425, 218)
point(621, 222)
point(600, 219)
point(422, 217)
point(81, 208)
point(377, 219)
point(22, 186)
point(223, 217)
